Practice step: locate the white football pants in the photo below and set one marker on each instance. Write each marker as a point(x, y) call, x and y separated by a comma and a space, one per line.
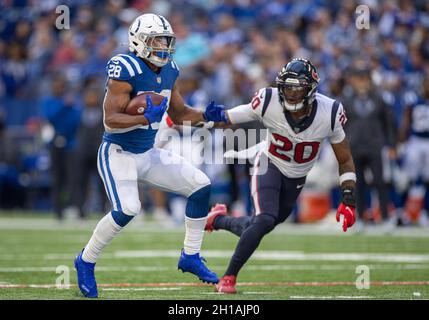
point(121, 171)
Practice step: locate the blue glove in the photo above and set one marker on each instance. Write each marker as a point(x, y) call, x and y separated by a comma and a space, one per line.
point(154, 113)
point(215, 113)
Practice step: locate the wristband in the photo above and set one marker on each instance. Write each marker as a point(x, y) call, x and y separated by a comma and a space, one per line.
point(347, 176)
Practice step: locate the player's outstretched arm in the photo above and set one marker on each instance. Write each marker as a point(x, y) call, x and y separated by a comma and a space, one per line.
point(347, 181)
point(179, 112)
point(115, 101)
point(251, 111)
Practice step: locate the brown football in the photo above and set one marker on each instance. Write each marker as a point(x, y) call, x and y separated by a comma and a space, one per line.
point(137, 105)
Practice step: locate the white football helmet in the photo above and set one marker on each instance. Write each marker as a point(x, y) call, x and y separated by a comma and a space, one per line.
point(151, 37)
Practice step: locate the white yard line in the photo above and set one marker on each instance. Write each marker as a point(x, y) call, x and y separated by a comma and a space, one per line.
point(300, 267)
point(286, 255)
point(274, 255)
point(331, 297)
point(142, 289)
point(329, 267)
point(326, 227)
point(98, 269)
point(262, 293)
point(259, 292)
point(242, 284)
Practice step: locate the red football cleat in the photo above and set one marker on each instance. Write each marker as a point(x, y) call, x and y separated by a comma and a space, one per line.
point(226, 285)
point(217, 210)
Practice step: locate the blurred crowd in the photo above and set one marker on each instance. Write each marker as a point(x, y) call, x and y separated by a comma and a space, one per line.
point(226, 50)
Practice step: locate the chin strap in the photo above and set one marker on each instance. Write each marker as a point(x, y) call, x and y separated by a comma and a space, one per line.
point(295, 110)
point(309, 108)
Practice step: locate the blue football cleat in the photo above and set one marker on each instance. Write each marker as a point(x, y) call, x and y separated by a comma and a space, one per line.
point(193, 263)
point(85, 277)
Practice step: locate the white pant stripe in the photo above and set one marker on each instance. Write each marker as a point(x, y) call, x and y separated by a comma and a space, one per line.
point(105, 176)
point(254, 182)
point(101, 172)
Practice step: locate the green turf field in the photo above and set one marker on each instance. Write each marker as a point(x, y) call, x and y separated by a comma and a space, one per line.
point(293, 262)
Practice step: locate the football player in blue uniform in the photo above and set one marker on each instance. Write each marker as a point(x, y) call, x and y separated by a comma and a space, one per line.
point(127, 155)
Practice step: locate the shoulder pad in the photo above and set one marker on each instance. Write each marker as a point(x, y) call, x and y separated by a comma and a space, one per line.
point(338, 114)
point(123, 67)
point(174, 65)
point(261, 100)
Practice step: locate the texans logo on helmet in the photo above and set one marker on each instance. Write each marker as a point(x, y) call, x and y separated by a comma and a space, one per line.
point(315, 75)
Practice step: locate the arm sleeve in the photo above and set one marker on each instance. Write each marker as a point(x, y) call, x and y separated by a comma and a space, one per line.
point(339, 120)
point(251, 111)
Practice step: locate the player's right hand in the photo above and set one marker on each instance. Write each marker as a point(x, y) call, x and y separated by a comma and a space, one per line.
point(154, 113)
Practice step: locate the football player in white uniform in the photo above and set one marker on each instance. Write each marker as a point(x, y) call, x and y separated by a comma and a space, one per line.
point(298, 119)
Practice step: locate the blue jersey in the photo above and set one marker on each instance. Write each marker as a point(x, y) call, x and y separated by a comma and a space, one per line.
point(132, 69)
point(420, 118)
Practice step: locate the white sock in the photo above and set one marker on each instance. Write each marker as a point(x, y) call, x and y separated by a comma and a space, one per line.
point(104, 232)
point(194, 234)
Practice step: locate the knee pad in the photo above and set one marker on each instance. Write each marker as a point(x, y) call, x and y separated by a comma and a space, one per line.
point(281, 219)
point(121, 218)
point(265, 222)
point(284, 213)
point(198, 203)
point(130, 204)
point(194, 179)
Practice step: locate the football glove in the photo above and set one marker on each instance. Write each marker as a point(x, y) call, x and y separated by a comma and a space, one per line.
point(215, 113)
point(347, 208)
point(154, 113)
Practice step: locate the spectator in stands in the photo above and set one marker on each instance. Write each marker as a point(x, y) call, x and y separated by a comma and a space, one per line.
point(369, 128)
point(11, 190)
point(14, 71)
point(60, 111)
point(88, 140)
point(237, 46)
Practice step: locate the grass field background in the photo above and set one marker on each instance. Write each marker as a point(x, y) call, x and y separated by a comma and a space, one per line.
point(293, 262)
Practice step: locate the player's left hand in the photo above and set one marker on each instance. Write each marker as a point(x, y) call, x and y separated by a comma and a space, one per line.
point(154, 113)
point(349, 215)
point(215, 113)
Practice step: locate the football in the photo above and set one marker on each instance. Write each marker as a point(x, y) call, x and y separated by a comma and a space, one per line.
point(137, 105)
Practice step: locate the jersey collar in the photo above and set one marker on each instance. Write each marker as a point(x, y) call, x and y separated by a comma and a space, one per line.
point(302, 125)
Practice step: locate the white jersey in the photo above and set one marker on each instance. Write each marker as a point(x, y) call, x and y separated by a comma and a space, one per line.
point(293, 148)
